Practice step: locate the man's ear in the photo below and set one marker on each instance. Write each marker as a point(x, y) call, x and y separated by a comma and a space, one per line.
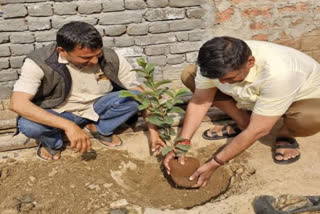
point(61, 51)
point(251, 61)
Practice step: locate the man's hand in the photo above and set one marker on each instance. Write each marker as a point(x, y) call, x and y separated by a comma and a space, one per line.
point(79, 140)
point(156, 143)
point(204, 173)
point(167, 159)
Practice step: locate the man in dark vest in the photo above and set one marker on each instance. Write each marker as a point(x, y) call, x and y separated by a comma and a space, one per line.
point(69, 85)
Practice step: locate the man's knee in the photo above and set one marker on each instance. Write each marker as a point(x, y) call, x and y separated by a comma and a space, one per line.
point(30, 128)
point(188, 75)
point(303, 117)
point(133, 105)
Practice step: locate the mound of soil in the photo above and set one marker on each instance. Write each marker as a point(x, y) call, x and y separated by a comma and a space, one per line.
point(113, 179)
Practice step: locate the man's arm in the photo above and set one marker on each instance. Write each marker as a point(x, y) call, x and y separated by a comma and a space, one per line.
point(197, 108)
point(20, 103)
point(258, 127)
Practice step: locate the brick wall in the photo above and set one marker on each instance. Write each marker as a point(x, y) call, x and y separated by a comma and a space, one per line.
point(168, 32)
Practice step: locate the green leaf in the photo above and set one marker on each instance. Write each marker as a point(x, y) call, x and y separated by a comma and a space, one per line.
point(168, 120)
point(160, 91)
point(149, 84)
point(142, 62)
point(165, 150)
point(170, 94)
point(179, 101)
point(176, 110)
point(145, 104)
point(182, 92)
point(181, 147)
point(155, 120)
point(129, 94)
point(149, 68)
point(138, 70)
point(161, 82)
point(172, 131)
point(169, 104)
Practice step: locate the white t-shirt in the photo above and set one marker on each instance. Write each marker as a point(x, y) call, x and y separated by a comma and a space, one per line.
point(85, 90)
point(281, 76)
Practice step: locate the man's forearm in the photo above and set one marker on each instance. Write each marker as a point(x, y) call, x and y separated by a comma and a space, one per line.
point(194, 115)
point(239, 144)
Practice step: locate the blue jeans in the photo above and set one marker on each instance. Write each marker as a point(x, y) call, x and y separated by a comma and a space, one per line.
point(112, 110)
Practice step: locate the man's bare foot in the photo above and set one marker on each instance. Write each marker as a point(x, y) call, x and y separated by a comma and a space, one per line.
point(109, 141)
point(218, 130)
point(286, 150)
point(287, 153)
point(46, 155)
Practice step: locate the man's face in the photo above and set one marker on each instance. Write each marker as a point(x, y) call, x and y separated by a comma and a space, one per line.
point(235, 76)
point(81, 57)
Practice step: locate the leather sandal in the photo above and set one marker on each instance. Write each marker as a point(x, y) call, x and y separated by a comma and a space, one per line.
point(105, 140)
point(292, 145)
point(212, 135)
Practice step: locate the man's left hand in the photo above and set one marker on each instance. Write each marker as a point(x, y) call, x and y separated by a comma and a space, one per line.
point(156, 143)
point(204, 173)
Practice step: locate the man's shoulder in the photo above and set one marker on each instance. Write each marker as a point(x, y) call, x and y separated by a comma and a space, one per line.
point(42, 52)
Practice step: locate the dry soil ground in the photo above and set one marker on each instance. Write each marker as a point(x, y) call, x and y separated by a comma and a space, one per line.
point(129, 180)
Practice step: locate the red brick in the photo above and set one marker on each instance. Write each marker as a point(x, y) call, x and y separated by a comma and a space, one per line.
point(297, 22)
point(300, 7)
point(314, 32)
point(316, 55)
point(225, 15)
point(258, 26)
point(293, 43)
point(310, 43)
point(263, 37)
point(251, 12)
point(238, 1)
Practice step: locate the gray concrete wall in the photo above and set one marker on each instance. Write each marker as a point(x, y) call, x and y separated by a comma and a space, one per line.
point(167, 32)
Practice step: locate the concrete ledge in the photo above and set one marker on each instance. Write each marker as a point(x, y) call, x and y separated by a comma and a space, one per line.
point(8, 142)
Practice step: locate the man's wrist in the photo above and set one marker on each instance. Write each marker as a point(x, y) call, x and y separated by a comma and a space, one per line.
point(217, 161)
point(184, 141)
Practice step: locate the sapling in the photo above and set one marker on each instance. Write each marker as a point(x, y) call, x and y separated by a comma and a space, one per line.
point(160, 103)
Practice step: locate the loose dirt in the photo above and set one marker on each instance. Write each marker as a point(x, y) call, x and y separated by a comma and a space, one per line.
point(129, 180)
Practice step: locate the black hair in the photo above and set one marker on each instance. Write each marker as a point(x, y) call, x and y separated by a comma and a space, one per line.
point(221, 55)
point(78, 33)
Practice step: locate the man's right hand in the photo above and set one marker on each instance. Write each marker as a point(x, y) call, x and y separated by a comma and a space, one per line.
point(79, 140)
point(167, 159)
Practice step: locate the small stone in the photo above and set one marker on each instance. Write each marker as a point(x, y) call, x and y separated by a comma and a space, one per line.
point(72, 186)
point(53, 173)
point(87, 183)
point(32, 178)
point(119, 211)
point(119, 203)
point(26, 207)
point(92, 186)
point(106, 185)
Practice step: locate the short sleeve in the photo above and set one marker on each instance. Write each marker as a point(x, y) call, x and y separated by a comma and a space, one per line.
point(204, 82)
point(127, 77)
point(30, 78)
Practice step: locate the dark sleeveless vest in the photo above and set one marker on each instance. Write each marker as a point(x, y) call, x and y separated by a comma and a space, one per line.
point(56, 84)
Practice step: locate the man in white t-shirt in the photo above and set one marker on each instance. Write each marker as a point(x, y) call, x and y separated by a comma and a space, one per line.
point(69, 85)
point(238, 77)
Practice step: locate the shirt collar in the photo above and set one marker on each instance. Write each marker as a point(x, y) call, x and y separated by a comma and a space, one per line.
point(62, 60)
point(251, 75)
